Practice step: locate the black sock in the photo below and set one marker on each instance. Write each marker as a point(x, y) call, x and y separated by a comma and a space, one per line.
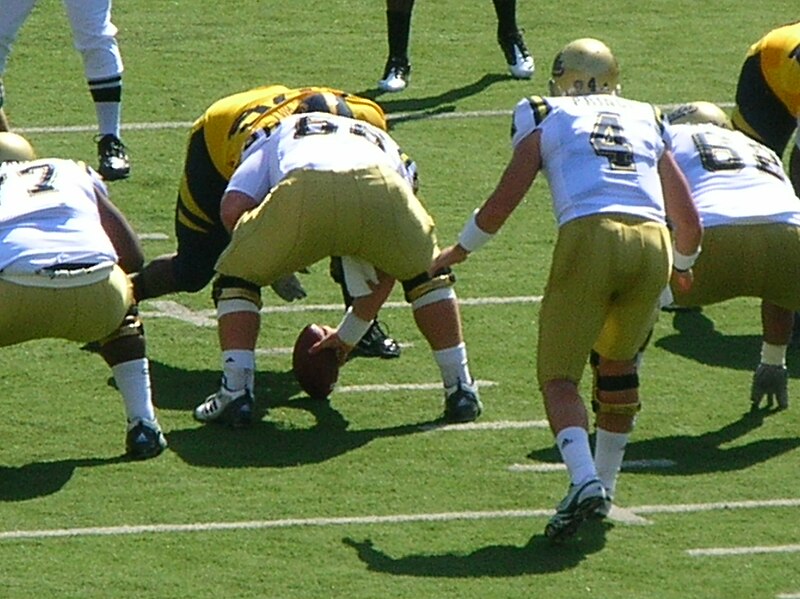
point(398, 25)
point(506, 17)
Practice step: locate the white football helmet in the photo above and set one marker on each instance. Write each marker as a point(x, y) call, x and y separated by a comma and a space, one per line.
point(14, 147)
point(698, 113)
point(584, 66)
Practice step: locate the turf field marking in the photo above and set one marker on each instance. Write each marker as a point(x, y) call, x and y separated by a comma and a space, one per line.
point(626, 465)
point(400, 116)
point(678, 508)
point(95, 531)
point(400, 387)
point(283, 351)
point(752, 550)
point(788, 596)
point(207, 317)
point(497, 425)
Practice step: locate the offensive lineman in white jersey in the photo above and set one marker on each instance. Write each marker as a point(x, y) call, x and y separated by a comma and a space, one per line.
point(613, 182)
point(63, 247)
point(323, 184)
point(751, 218)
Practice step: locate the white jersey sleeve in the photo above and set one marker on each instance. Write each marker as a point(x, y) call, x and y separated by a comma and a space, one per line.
point(599, 153)
point(733, 178)
point(49, 216)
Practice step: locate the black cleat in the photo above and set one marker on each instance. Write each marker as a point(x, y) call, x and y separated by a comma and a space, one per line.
point(144, 440)
point(113, 157)
point(462, 404)
point(376, 343)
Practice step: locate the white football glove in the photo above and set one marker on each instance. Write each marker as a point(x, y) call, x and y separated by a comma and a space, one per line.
point(289, 288)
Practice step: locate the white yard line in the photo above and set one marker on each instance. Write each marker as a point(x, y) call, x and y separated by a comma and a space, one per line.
point(207, 317)
point(727, 551)
point(400, 387)
point(360, 520)
point(558, 467)
point(400, 116)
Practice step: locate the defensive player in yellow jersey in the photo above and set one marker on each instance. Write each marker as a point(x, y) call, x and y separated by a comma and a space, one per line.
point(213, 151)
point(63, 247)
point(751, 245)
point(768, 94)
point(319, 185)
point(613, 183)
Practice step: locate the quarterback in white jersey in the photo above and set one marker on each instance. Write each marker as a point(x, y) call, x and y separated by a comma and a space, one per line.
point(319, 185)
point(600, 152)
point(61, 246)
point(613, 183)
point(751, 217)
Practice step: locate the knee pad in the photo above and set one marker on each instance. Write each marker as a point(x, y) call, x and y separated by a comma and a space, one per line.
point(423, 284)
point(235, 295)
point(616, 384)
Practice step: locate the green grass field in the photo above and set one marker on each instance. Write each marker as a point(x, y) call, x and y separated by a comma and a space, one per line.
point(359, 497)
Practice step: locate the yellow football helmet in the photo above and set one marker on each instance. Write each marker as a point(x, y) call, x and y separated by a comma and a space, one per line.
point(14, 147)
point(584, 66)
point(324, 102)
point(698, 113)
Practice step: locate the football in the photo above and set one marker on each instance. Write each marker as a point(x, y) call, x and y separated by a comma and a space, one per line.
point(316, 373)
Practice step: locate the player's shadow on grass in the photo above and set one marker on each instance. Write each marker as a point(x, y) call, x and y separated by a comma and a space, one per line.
point(698, 454)
point(697, 339)
point(176, 388)
point(272, 444)
point(420, 108)
point(537, 556)
point(267, 443)
point(40, 479)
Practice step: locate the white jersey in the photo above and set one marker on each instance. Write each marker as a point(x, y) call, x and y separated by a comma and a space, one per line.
point(599, 153)
point(733, 178)
point(314, 141)
point(49, 216)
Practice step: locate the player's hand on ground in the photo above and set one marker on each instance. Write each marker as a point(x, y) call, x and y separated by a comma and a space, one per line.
point(289, 288)
point(770, 385)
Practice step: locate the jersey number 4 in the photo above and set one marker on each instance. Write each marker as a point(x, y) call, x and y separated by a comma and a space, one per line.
point(609, 141)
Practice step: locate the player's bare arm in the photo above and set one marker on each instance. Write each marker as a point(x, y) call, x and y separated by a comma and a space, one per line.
point(119, 230)
point(684, 218)
point(514, 183)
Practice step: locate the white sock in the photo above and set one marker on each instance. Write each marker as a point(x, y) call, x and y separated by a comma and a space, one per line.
point(238, 369)
point(573, 443)
point(133, 381)
point(108, 117)
point(609, 451)
point(453, 365)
